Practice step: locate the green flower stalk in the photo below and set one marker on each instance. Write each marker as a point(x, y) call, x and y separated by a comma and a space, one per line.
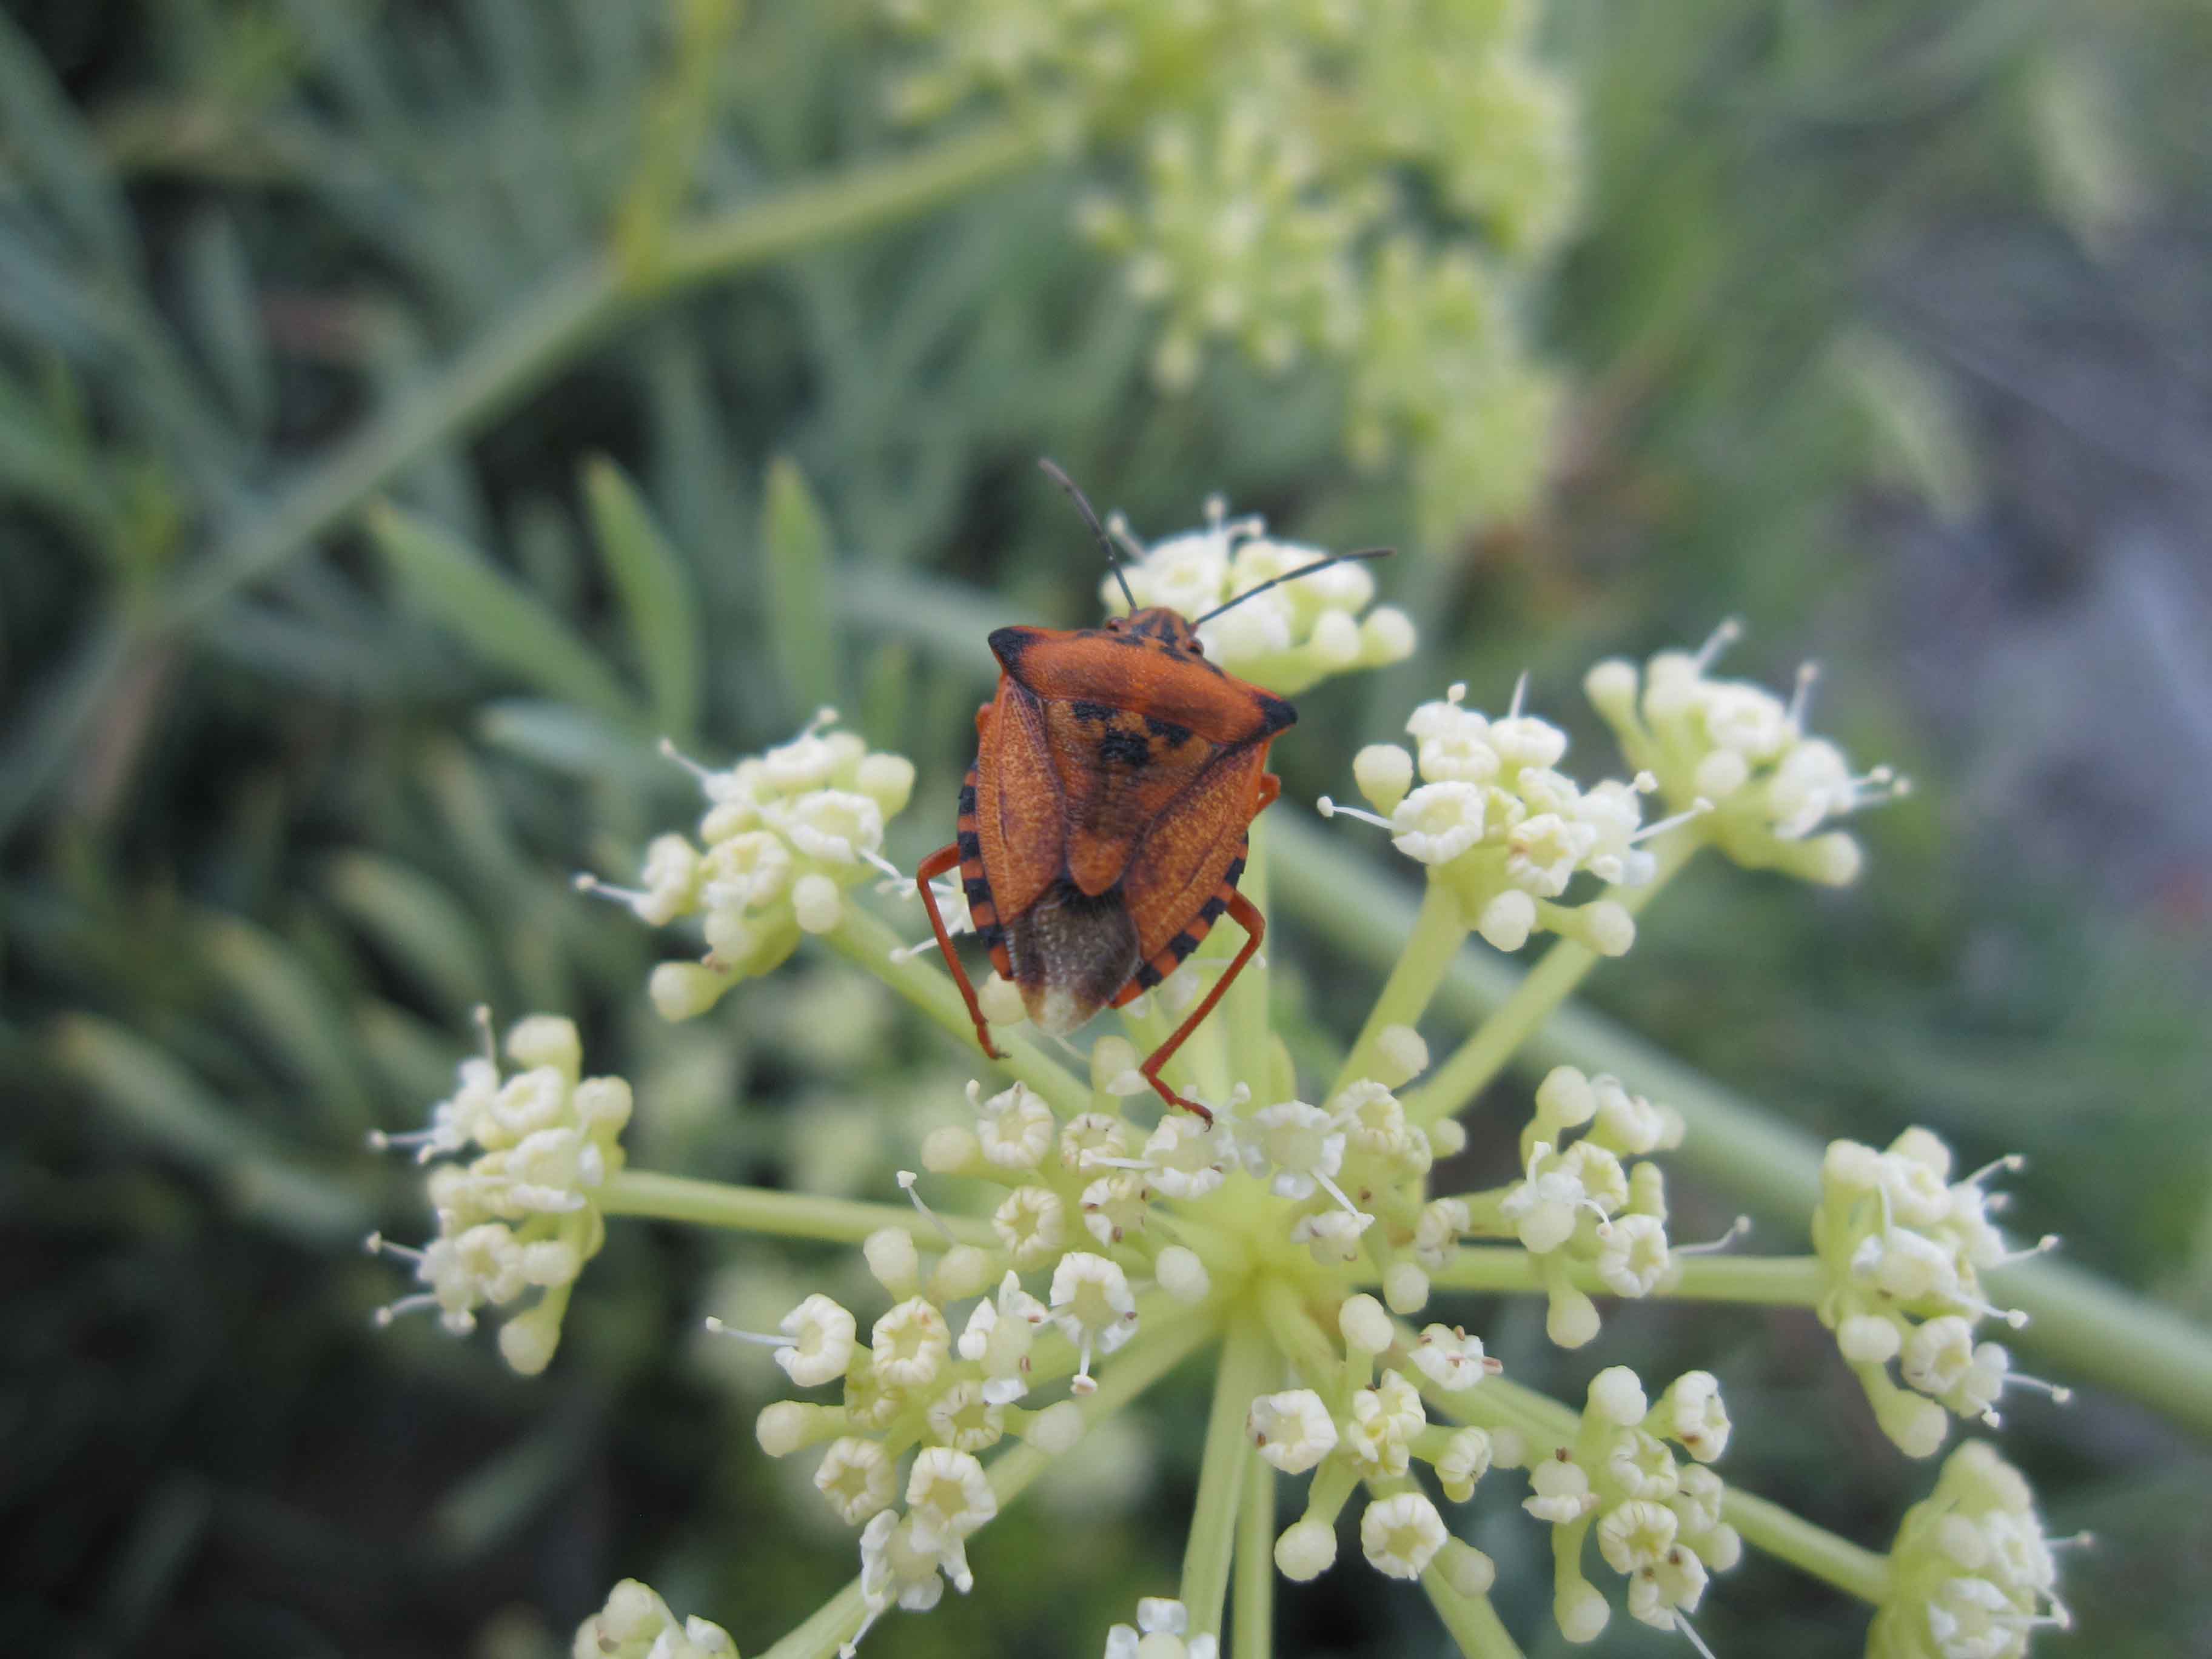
point(1300, 1232)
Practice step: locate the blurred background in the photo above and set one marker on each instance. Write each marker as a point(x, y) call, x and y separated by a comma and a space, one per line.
point(346, 352)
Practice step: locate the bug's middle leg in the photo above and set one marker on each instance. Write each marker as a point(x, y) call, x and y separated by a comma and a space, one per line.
point(944, 858)
point(1247, 915)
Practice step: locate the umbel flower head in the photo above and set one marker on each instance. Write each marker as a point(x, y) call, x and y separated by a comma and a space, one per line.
point(522, 1214)
point(1743, 750)
point(1300, 1230)
point(1286, 639)
point(1502, 829)
point(785, 835)
point(1971, 1576)
point(1904, 1248)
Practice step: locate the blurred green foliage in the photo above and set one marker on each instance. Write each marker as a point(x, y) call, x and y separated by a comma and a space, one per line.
point(276, 820)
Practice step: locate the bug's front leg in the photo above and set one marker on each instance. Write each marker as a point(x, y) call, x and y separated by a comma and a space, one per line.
point(1247, 915)
point(944, 858)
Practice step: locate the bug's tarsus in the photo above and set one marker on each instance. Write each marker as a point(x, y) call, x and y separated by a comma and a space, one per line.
point(1052, 471)
point(1292, 576)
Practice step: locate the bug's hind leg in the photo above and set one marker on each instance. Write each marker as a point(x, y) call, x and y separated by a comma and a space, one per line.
point(944, 858)
point(1247, 915)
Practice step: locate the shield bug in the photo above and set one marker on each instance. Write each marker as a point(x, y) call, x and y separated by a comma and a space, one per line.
point(1104, 824)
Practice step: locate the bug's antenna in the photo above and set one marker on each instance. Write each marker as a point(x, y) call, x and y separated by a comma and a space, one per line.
point(1292, 576)
point(1083, 505)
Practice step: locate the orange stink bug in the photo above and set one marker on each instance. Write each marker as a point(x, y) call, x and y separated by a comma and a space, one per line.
point(1105, 821)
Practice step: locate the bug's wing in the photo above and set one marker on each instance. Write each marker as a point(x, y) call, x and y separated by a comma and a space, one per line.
point(1185, 855)
point(1019, 810)
point(1118, 771)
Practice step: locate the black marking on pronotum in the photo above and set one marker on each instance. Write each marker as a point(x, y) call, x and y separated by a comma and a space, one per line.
point(1276, 714)
point(1118, 747)
point(1007, 644)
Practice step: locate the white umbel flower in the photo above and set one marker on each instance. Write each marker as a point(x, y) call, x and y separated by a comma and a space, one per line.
point(910, 1344)
point(1293, 1430)
point(857, 1478)
point(1451, 1358)
point(1295, 1147)
point(1092, 1305)
point(998, 1337)
point(1400, 1536)
point(821, 1347)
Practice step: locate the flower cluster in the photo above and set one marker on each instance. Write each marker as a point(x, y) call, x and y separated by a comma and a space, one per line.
point(1657, 1520)
point(1285, 639)
point(1439, 375)
point(1273, 272)
point(520, 1215)
point(1267, 206)
point(917, 1386)
point(1297, 1234)
point(1971, 1575)
point(1371, 1432)
point(1904, 1247)
point(1502, 829)
point(636, 1624)
point(1584, 1204)
point(1741, 747)
point(784, 835)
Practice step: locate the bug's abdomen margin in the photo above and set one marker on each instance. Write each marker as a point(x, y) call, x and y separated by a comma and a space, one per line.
point(975, 885)
point(1163, 962)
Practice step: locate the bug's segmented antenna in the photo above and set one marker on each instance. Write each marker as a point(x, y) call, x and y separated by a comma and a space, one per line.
point(1292, 576)
point(1083, 505)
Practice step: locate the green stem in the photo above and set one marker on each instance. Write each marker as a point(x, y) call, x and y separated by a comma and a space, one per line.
point(1439, 929)
point(1479, 1061)
point(1795, 1281)
point(1472, 1622)
point(1246, 1361)
point(1252, 1625)
point(1135, 1369)
point(1812, 1549)
point(867, 940)
point(650, 1196)
point(1248, 1004)
point(2091, 1329)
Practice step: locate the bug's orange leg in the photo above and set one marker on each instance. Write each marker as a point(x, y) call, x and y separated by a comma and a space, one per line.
point(944, 858)
point(1247, 915)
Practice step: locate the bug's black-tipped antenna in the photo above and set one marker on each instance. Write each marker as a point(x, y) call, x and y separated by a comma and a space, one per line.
point(1083, 505)
point(1292, 576)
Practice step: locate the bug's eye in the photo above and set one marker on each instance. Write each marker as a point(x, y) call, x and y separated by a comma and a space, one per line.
point(1197, 646)
point(1115, 624)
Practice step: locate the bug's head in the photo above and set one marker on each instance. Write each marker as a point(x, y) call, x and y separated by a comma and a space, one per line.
point(1170, 630)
